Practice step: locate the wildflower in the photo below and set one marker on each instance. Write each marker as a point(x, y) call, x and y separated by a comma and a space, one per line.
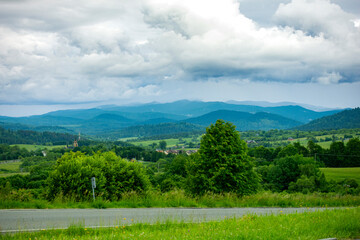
point(116, 227)
point(124, 218)
point(132, 220)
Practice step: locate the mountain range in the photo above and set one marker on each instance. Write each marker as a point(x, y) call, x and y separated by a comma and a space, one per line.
point(180, 116)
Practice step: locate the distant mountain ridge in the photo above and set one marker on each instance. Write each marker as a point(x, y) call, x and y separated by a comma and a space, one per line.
point(345, 119)
point(246, 121)
point(106, 120)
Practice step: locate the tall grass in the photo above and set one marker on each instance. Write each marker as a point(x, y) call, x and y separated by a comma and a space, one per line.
point(340, 224)
point(178, 198)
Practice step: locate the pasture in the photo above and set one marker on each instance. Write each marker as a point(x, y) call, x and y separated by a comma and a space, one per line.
point(340, 174)
point(34, 147)
point(8, 168)
point(170, 142)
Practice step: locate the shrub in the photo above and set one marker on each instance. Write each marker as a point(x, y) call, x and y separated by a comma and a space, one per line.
point(73, 172)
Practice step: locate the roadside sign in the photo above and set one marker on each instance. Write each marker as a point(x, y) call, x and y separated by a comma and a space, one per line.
point(93, 183)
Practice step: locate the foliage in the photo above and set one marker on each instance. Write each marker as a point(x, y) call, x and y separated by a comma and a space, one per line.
point(295, 173)
point(222, 164)
point(34, 137)
point(162, 145)
point(157, 129)
point(12, 152)
point(345, 119)
point(114, 176)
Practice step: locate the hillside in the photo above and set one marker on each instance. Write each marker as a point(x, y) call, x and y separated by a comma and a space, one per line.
point(341, 120)
point(156, 130)
point(33, 137)
point(105, 121)
point(246, 121)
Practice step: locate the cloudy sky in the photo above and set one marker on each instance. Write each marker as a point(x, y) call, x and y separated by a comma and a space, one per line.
point(69, 54)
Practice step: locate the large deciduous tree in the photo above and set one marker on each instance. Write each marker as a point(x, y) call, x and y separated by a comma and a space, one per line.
point(222, 164)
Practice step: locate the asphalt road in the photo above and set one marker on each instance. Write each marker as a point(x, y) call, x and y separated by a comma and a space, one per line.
point(14, 220)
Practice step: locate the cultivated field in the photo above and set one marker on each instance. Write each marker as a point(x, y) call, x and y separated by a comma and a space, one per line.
point(339, 174)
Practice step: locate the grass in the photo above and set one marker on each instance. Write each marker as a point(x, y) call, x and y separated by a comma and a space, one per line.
point(33, 147)
point(340, 224)
point(3, 175)
point(339, 174)
point(171, 142)
point(10, 168)
point(177, 198)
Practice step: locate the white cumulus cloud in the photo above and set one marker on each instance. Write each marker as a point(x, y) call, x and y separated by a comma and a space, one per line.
point(65, 51)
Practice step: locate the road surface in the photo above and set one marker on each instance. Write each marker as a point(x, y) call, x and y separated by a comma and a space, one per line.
point(13, 220)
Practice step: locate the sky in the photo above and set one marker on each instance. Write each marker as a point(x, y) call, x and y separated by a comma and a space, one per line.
point(62, 54)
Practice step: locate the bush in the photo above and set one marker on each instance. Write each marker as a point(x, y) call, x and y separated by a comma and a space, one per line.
point(73, 172)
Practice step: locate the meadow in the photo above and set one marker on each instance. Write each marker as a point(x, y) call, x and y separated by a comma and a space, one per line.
point(9, 168)
point(340, 174)
point(170, 142)
point(339, 223)
point(34, 147)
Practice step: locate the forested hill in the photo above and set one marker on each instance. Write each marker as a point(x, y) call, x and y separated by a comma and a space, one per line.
point(345, 119)
point(246, 121)
point(157, 129)
point(34, 137)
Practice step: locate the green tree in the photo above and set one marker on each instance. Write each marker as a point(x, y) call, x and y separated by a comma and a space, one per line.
point(222, 164)
point(289, 150)
point(353, 150)
point(162, 145)
point(336, 157)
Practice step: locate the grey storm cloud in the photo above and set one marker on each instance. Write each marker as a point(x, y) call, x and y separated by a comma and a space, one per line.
point(66, 51)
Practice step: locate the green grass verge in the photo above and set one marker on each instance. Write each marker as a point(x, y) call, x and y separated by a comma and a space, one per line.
point(180, 199)
point(339, 174)
point(340, 224)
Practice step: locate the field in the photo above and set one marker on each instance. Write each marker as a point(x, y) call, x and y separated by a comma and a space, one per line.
point(33, 147)
point(323, 144)
point(339, 174)
point(10, 168)
point(340, 224)
point(171, 142)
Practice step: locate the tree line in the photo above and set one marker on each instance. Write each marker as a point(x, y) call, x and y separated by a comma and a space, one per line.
point(8, 136)
point(223, 164)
